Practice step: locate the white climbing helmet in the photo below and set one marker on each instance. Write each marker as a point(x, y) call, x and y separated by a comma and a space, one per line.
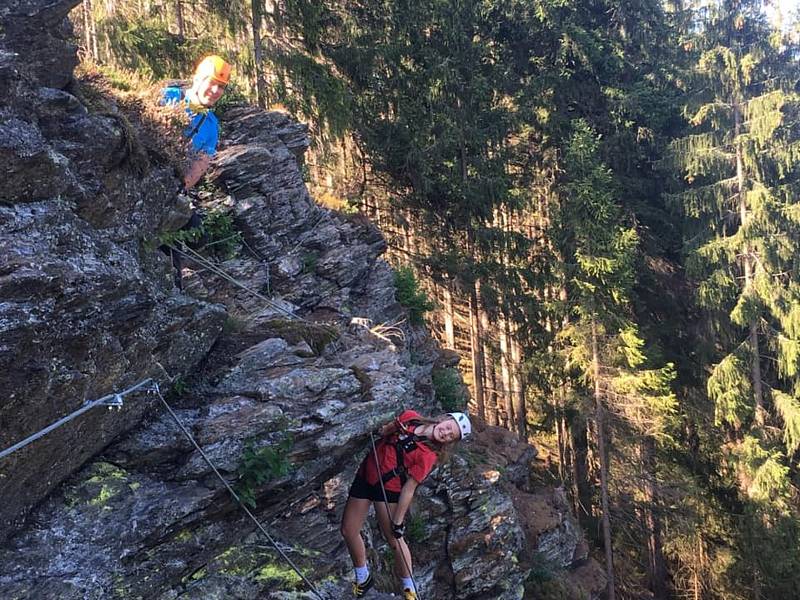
point(463, 423)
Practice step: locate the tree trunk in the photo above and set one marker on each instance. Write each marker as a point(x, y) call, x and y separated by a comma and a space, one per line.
point(449, 326)
point(87, 28)
point(95, 45)
point(505, 370)
point(90, 31)
point(476, 350)
point(755, 365)
point(698, 570)
point(601, 442)
point(492, 398)
point(517, 387)
point(582, 491)
point(489, 376)
point(261, 88)
point(485, 348)
point(561, 435)
point(657, 568)
point(179, 18)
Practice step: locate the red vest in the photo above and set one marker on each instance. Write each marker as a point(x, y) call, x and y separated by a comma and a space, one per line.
point(418, 462)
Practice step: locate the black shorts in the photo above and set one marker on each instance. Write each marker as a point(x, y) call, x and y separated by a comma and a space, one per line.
point(365, 491)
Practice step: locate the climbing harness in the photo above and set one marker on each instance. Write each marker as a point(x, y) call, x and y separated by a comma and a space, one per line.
point(235, 496)
point(111, 401)
point(406, 442)
point(386, 504)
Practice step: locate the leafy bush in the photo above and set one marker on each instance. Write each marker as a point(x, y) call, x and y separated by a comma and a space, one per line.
point(544, 582)
point(415, 529)
point(309, 261)
point(224, 240)
point(411, 296)
point(215, 236)
point(261, 465)
point(448, 389)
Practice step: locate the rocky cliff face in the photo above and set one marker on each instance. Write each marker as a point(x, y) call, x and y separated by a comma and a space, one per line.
point(81, 311)
point(284, 394)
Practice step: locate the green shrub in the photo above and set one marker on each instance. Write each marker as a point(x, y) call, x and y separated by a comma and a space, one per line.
point(415, 529)
point(224, 240)
point(216, 236)
point(309, 262)
point(411, 296)
point(261, 465)
point(448, 389)
point(545, 581)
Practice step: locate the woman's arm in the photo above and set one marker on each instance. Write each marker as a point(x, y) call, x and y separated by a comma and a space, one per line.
point(406, 496)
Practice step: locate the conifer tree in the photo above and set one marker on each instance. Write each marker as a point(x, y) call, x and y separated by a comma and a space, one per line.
point(740, 201)
point(742, 179)
point(601, 341)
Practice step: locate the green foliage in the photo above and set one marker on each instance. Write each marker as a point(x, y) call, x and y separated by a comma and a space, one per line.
point(448, 389)
point(309, 262)
point(149, 48)
point(603, 250)
point(545, 581)
point(234, 96)
point(766, 474)
point(411, 296)
point(216, 236)
point(789, 409)
point(415, 529)
point(180, 236)
point(224, 240)
point(729, 386)
point(261, 465)
point(179, 386)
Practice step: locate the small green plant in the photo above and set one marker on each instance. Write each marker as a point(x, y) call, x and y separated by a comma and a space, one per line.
point(233, 325)
point(448, 389)
point(181, 236)
point(411, 296)
point(224, 240)
point(351, 206)
point(543, 582)
point(216, 236)
point(260, 465)
point(309, 262)
point(415, 529)
point(179, 386)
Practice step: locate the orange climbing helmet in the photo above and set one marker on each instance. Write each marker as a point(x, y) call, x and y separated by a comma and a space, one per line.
point(214, 67)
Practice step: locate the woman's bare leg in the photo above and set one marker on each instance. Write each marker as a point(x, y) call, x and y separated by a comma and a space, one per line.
point(402, 555)
point(355, 513)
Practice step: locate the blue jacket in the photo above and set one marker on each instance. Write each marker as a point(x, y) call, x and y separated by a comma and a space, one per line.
point(203, 129)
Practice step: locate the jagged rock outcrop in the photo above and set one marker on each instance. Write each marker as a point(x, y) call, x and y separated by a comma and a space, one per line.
point(286, 394)
point(82, 310)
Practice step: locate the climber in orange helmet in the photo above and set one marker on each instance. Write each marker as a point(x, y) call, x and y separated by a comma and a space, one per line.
point(210, 78)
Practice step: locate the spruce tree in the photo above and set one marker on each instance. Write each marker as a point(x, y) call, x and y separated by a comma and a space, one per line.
point(742, 184)
point(602, 342)
point(740, 202)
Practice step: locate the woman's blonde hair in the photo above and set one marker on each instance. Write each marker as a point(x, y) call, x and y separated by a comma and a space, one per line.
point(443, 450)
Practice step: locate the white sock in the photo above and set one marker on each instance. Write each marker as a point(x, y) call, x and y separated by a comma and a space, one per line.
point(408, 584)
point(362, 574)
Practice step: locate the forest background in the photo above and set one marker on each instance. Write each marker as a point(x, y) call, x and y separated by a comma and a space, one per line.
point(596, 203)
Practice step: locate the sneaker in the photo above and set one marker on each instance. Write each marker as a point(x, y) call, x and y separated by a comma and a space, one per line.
point(409, 594)
point(360, 589)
